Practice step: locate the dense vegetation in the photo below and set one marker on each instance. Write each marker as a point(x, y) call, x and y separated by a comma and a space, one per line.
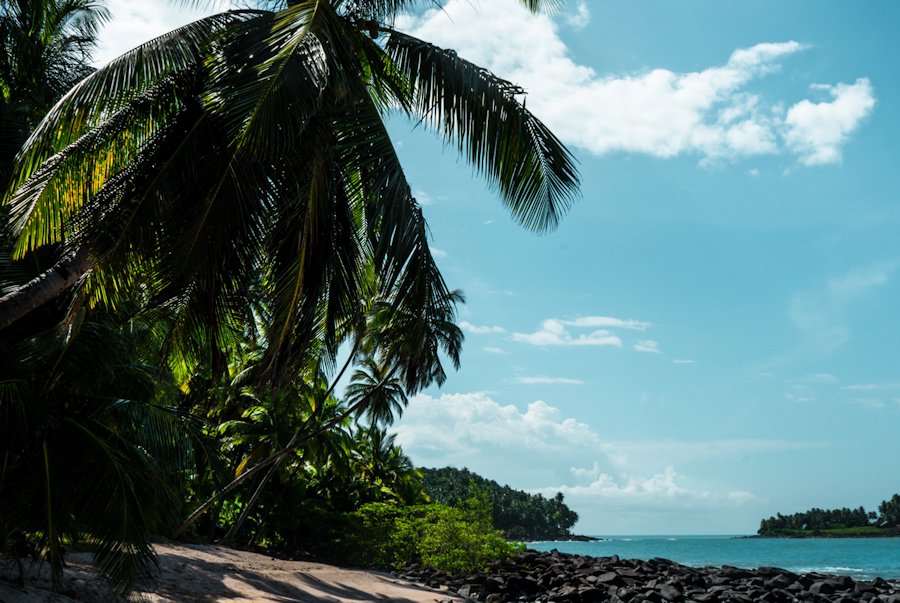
point(190, 236)
point(519, 515)
point(835, 521)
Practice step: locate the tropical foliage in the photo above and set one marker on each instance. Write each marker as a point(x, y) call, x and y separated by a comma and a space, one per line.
point(199, 240)
point(519, 515)
point(456, 539)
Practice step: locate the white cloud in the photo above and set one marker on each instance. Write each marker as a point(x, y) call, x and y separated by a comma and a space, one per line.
point(423, 197)
point(548, 381)
point(660, 490)
point(816, 131)
point(683, 361)
point(857, 283)
point(439, 253)
point(541, 450)
point(479, 330)
point(580, 18)
point(493, 350)
point(861, 387)
point(529, 448)
point(555, 331)
point(710, 113)
point(608, 322)
point(820, 313)
point(647, 345)
point(134, 23)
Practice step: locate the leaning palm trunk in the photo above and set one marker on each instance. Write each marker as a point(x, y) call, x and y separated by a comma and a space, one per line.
point(49, 285)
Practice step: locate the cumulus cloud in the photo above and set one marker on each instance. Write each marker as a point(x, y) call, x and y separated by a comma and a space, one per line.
point(540, 449)
point(559, 332)
point(711, 113)
point(479, 330)
point(816, 131)
point(498, 441)
point(548, 381)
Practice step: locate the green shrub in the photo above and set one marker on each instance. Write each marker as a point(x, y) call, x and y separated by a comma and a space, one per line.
point(453, 539)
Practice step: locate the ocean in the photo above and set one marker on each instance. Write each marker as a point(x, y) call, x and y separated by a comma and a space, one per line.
point(860, 558)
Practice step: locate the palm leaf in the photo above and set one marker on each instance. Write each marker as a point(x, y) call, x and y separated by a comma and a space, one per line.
point(534, 172)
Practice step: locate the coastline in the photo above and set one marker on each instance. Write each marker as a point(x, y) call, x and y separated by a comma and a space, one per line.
point(886, 533)
point(567, 578)
point(194, 573)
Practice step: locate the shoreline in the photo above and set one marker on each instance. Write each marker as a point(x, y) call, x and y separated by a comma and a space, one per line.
point(891, 533)
point(195, 573)
point(567, 578)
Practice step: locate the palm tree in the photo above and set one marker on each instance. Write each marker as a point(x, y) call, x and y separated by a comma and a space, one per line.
point(385, 470)
point(384, 395)
point(88, 450)
point(252, 143)
point(45, 48)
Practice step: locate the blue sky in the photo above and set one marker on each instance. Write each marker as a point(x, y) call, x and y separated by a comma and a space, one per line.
point(710, 337)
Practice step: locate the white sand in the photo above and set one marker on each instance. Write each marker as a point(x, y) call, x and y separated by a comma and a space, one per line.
point(208, 573)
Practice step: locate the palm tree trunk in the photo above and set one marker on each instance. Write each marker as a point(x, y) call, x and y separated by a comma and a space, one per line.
point(22, 300)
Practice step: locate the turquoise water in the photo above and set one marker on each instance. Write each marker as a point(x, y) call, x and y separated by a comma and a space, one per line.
point(861, 558)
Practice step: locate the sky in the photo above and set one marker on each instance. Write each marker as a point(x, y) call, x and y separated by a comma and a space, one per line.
point(710, 336)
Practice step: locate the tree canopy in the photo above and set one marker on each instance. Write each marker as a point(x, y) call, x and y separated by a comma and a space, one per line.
point(520, 515)
point(815, 519)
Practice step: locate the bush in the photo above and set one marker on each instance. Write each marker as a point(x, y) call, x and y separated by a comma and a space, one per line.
point(453, 539)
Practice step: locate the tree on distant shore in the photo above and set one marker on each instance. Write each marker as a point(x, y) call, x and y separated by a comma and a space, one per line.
point(817, 519)
point(890, 511)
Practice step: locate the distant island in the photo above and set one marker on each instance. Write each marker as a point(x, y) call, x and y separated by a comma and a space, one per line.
point(836, 523)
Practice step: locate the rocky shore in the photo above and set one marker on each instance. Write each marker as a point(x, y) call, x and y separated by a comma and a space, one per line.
point(564, 578)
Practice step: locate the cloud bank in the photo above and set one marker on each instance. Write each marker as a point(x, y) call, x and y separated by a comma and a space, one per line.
point(711, 113)
point(541, 450)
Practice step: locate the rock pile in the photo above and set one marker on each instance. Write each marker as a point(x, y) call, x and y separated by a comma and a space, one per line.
point(562, 578)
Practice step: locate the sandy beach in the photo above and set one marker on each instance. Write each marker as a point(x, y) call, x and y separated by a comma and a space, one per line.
point(209, 573)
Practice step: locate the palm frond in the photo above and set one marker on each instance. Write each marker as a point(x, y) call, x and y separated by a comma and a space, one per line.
point(534, 172)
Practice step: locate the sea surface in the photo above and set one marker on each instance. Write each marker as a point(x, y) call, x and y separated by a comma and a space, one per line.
point(860, 558)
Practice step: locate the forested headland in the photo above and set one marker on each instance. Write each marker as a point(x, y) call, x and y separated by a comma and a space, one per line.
point(519, 515)
point(837, 522)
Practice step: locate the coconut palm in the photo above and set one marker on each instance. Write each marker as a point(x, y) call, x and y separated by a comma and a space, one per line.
point(249, 147)
point(385, 395)
point(89, 453)
point(45, 48)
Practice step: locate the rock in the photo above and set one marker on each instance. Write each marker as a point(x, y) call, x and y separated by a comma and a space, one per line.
point(533, 577)
point(822, 588)
point(468, 590)
point(670, 593)
point(611, 578)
